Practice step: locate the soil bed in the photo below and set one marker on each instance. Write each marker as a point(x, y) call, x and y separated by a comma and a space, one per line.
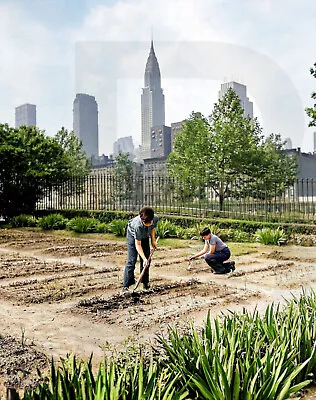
point(61, 294)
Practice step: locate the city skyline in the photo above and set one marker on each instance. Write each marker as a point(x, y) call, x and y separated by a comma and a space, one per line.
point(47, 35)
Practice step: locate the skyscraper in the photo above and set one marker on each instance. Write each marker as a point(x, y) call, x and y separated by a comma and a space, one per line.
point(124, 145)
point(85, 124)
point(25, 115)
point(152, 101)
point(241, 91)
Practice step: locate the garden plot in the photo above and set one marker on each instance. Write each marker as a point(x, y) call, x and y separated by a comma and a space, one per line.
point(157, 307)
point(60, 287)
point(63, 292)
point(14, 265)
point(292, 267)
point(94, 250)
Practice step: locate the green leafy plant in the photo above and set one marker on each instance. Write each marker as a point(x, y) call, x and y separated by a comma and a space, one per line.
point(238, 356)
point(83, 225)
point(118, 227)
point(277, 360)
point(52, 221)
point(240, 236)
point(23, 220)
point(166, 228)
point(269, 235)
point(102, 227)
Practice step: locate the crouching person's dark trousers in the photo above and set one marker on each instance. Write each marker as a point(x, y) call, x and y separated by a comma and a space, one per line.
point(216, 261)
point(129, 277)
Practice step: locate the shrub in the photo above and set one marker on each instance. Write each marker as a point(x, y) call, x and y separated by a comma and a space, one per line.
point(23, 220)
point(52, 221)
point(241, 236)
point(269, 235)
point(165, 228)
point(186, 233)
point(103, 227)
point(83, 225)
point(118, 227)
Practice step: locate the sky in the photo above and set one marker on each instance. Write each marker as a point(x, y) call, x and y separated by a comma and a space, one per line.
point(52, 49)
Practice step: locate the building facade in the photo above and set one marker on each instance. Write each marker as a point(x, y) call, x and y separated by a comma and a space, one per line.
point(124, 145)
point(152, 101)
point(155, 167)
point(175, 128)
point(306, 163)
point(25, 115)
point(241, 91)
point(86, 125)
point(160, 145)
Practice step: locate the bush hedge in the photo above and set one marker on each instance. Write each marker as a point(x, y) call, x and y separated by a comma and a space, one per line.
point(217, 224)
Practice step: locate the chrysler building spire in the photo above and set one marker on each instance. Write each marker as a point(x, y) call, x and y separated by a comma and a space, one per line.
point(152, 100)
point(152, 70)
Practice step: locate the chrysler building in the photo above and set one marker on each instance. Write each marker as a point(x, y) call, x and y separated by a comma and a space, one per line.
point(152, 101)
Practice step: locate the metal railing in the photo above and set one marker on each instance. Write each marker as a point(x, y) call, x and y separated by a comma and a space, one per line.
point(240, 200)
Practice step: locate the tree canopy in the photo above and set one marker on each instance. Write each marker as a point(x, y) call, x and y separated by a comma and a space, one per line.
point(77, 160)
point(311, 111)
point(123, 173)
point(30, 162)
point(227, 150)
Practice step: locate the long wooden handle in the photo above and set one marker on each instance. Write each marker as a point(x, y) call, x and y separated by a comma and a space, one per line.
point(145, 266)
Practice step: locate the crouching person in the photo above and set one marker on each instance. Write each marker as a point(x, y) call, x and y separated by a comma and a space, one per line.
point(215, 252)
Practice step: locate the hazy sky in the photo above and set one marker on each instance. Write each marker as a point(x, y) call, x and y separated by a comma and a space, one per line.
point(52, 49)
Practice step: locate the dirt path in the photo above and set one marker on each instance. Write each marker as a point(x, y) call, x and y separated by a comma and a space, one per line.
point(62, 293)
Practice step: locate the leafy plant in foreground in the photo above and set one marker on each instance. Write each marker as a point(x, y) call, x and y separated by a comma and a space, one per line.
point(239, 356)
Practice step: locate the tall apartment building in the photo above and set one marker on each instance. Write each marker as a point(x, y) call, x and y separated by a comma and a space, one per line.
point(152, 101)
point(25, 115)
point(160, 141)
point(241, 91)
point(85, 124)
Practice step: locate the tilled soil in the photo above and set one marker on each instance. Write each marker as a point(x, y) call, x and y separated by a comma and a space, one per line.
point(61, 294)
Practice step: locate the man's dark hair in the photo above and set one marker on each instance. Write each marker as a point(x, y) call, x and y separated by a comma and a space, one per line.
point(146, 214)
point(205, 231)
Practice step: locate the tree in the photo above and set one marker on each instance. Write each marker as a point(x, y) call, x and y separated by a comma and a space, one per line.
point(228, 150)
point(186, 164)
point(311, 111)
point(30, 162)
point(78, 162)
point(123, 175)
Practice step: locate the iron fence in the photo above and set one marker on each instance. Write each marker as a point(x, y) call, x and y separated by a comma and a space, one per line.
point(241, 199)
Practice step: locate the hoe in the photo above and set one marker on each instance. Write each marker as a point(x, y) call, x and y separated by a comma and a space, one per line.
point(145, 266)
